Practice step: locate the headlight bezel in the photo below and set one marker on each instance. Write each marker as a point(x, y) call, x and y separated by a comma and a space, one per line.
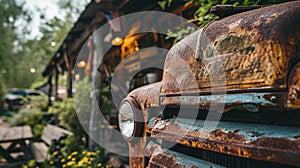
point(138, 119)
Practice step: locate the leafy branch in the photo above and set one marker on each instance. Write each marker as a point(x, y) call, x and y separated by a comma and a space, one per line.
point(202, 15)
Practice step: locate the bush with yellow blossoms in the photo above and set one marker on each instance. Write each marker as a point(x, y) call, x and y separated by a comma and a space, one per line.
point(83, 159)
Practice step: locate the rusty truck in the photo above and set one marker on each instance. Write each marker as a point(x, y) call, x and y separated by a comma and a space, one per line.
point(229, 96)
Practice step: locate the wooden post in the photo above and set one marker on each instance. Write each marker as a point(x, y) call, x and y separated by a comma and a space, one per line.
point(94, 127)
point(50, 90)
point(56, 84)
point(68, 62)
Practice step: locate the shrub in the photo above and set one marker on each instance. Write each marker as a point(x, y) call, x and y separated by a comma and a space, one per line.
point(2, 93)
point(202, 15)
point(78, 159)
point(67, 117)
point(32, 117)
point(37, 102)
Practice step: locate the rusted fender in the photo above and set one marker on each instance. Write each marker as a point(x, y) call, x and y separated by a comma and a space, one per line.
point(253, 49)
point(145, 97)
point(165, 158)
point(251, 102)
point(260, 142)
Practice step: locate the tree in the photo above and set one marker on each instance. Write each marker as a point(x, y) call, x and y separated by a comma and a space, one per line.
point(53, 30)
point(202, 15)
point(10, 12)
point(22, 60)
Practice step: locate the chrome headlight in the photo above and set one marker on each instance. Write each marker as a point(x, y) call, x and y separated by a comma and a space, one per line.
point(126, 120)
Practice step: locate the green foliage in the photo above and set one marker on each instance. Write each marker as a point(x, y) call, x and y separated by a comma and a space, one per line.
point(78, 159)
point(68, 111)
point(20, 52)
point(68, 119)
point(32, 117)
point(38, 83)
point(38, 102)
point(30, 164)
point(202, 15)
point(2, 93)
point(2, 87)
point(10, 12)
point(180, 34)
point(106, 98)
point(164, 4)
point(83, 100)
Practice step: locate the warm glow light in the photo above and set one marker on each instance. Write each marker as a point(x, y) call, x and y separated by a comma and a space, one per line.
point(77, 77)
point(53, 44)
point(117, 41)
point(81, 64)
point(32, 70)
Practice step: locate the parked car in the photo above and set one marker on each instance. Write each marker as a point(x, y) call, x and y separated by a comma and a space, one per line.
point(18, 98)
point(12, 102)
point(25, 92)
point(247, 63)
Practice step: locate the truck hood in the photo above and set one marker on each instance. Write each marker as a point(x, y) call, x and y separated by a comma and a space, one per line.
point(248, 50)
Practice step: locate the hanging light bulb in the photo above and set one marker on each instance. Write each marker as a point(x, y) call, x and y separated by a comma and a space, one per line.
point(117, 41)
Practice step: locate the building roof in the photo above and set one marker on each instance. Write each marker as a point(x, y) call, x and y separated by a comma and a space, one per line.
point(91, 18)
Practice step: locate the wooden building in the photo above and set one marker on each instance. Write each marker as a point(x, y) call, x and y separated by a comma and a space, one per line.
point(93, 17)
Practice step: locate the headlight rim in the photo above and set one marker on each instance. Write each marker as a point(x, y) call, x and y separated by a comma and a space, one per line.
point(138, 118)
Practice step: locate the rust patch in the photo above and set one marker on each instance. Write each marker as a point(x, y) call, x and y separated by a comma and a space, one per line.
point(147, 96)
point(279, 150)
point(256, 52)
point(136, 153)
point(293, 97)
point(227, 137)
point(279, 143)
point(165, 158)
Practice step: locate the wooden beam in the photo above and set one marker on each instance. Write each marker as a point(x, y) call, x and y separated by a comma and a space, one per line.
point(50, 90)
point(56, 83)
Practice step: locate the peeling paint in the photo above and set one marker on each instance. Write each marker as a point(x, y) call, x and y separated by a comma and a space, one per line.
point(166, 158)
point(255, 51)
point(238, 139)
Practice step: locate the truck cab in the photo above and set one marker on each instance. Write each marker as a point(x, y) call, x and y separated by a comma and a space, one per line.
point(229, 96)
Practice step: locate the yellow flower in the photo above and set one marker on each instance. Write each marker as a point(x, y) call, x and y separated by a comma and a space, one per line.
point(108, 166)
point(62, 160)
point(98, 151)
point(85, 159)
point(92, 159)
point(54, 153)
point(99, 165)
point(84, 152)
point(64, 165)
point(70, 163)
point(51, 162)
point(73, 159)
point(80, 163)
point(69, 157)
point(74, 153)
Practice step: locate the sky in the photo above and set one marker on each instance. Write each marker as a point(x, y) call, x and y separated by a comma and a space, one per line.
point(50, 8)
